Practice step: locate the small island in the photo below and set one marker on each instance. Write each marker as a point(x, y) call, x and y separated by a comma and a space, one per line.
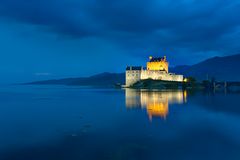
point(156, 76)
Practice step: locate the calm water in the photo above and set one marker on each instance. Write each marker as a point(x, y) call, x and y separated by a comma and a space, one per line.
point(74, 123)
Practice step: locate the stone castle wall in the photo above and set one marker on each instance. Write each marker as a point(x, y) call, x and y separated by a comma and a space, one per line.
point(160, 75)
point(133, 76)
point(157, 66)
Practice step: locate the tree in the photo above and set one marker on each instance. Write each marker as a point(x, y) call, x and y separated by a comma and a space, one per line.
point(191, 80)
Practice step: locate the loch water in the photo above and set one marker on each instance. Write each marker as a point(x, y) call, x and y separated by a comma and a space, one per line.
point(86, 123)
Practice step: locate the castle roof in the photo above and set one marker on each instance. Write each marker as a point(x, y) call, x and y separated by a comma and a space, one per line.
point(134, 68)
point(156, 59)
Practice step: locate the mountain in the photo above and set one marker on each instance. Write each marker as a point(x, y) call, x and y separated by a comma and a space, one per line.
point(221, 68)
point(103, 79)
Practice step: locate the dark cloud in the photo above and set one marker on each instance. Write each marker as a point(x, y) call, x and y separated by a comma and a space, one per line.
point(60, 16)
point(140, 26)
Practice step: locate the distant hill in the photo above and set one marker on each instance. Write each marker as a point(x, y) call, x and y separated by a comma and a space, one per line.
point(221, 68)
point(103, 79)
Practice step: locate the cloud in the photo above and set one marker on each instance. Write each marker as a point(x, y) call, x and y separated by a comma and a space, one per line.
point(62, 17)
point(186, 27)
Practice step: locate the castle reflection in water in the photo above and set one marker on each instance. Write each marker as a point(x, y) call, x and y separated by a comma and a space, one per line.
point(156, 103)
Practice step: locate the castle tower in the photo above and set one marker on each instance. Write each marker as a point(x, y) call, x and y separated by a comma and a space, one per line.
point(157, 64)
point(133, 75)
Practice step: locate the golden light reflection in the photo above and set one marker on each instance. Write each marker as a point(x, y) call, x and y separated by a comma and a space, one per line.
point(156, 103)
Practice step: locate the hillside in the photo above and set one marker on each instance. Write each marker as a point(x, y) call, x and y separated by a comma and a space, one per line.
point(103, 79)
point(220, 68)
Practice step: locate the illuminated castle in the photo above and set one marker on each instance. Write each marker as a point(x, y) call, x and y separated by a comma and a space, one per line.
point(157, 69)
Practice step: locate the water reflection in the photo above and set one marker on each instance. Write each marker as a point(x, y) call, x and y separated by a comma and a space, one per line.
point(156, 103)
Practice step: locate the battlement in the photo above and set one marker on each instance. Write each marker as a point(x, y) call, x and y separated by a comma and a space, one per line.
point(157, 59)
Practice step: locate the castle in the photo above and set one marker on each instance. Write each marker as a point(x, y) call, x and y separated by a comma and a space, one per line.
point(157, 69)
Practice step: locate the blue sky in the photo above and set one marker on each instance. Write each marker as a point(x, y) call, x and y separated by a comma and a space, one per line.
point(61, 38)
